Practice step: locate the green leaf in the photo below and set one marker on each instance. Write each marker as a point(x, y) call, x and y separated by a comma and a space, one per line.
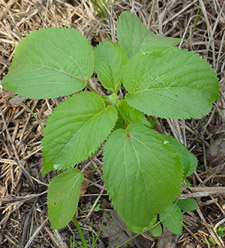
point(75, 130)
point(134, 36)
point(63, 196)
point(221, 231)
point(132, 115)
point(143, 174)
point(172, 218)
point(188, 159)
point(109, 64)
point(211, 241)
point(156, 228)
point(187, 183)
point(156, 231)
point(49, 63)
point(170, 83)
point(189, 204)
point(120, 122)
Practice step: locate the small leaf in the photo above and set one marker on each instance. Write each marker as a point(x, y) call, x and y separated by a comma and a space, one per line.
point(221, 231)
point(109, 63)
point(75, 130)
point(188, 159)
point(143, 175)
point(189, 204)
point(211, 241)
point(156, 228)
point(49, 63)
point(156, 231)
point(63, 196)
point(132, 115)
point(172, 218)
point(165, 81)
point(134, 36)
point(187, 183)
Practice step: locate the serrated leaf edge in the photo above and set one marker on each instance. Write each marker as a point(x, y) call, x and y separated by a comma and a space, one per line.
point(129, 225)
point(210, 68)
point(21, 43)
point(93, 151)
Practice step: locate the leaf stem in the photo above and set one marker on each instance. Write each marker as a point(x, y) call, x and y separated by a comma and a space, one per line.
point(196, 17)
point(124, 243)
point(32, 113)
point(90, 87)
point(80, 232)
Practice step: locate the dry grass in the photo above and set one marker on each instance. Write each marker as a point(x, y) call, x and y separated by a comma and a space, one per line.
point(200, 24)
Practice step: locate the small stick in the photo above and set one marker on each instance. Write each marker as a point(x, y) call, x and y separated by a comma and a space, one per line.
point(95, 203)
point(35, 234)
point(202, 191)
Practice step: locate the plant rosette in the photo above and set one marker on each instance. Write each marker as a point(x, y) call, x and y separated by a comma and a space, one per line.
point(143, 170)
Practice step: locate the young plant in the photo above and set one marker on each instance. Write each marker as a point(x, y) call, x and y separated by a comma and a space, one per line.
point(143, 170)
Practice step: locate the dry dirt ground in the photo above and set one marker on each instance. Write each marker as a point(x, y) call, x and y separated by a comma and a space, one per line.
point(23, 211)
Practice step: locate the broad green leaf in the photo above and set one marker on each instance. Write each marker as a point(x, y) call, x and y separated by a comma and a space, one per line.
point(134, 36)
point(143, 174)
point(170, 83)
point(172, 218)
point(75, 130)
point(109, 64)
point(189, 204)
point(49, 63)
point(63, 197)
point(188, 159)
point(131, 115)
